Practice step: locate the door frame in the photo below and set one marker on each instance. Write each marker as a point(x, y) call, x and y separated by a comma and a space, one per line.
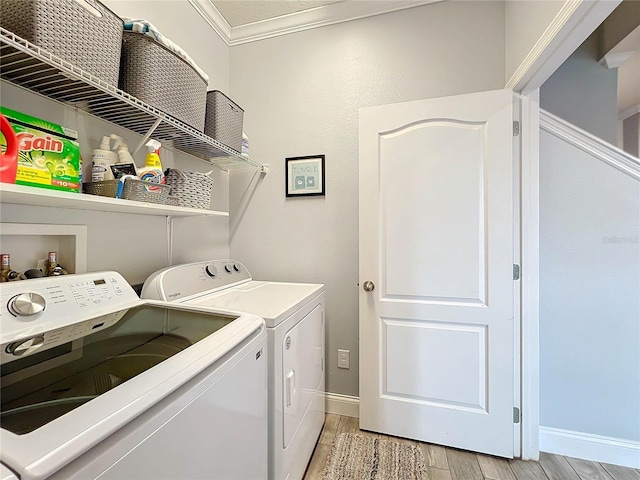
point(572, 25)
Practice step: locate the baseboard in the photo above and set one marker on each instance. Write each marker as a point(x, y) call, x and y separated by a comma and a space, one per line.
point(342, 405)
point(587, 446)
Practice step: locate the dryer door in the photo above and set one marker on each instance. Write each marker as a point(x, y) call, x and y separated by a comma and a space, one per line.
point(303, 373)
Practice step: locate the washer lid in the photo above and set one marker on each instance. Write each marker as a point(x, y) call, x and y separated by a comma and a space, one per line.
point(273, 301)
point(37, 454)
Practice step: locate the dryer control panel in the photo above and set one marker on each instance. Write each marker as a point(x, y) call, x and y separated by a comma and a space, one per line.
point(181, 281)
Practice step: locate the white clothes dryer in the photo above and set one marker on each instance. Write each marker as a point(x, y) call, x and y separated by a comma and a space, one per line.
point(97, 383)
point(294, 316)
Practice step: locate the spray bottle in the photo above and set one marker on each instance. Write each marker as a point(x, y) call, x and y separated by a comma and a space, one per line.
point(152, 170)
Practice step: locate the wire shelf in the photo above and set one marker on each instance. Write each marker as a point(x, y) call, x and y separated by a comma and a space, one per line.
point(29, 66)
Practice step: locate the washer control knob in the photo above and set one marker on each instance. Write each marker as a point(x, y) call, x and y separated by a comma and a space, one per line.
point(227, 268)
point(27, 304)
point(22, 346)
point(236, 267)
point(211, 270)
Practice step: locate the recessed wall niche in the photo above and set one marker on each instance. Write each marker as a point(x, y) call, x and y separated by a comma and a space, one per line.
point(27, 243)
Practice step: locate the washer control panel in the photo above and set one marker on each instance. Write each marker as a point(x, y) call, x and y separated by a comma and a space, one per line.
point(175, 283)
point(41, 313)
point(43, 341)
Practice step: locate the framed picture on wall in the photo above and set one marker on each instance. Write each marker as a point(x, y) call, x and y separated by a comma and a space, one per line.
point(304, 176)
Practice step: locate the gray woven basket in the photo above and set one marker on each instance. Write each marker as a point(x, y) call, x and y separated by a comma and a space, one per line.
point(154, 74)
point(223, 120)
point(133, 190)
point(69, 30)
point(192, 189)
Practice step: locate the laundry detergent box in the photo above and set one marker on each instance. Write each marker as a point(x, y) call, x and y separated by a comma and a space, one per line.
point(48, 154)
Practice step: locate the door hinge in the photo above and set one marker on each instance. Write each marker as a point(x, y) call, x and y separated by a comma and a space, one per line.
point(516, 272)
point(516, 415)
point(516, 128)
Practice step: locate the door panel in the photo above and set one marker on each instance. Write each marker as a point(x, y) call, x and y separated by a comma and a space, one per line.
point(436, 239)
point(461, 377)
point(429, 256)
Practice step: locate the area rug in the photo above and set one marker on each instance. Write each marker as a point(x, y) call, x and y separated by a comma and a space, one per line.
point(357, 457)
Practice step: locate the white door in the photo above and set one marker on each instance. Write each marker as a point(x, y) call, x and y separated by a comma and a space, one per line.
point(436, 243)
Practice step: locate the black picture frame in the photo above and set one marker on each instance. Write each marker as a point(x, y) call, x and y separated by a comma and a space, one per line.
point(304, 176)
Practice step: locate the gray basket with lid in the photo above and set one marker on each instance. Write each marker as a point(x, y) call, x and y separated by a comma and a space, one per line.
point(159, 77)
point(83, 32)
point(223, 120)
point(190, 189)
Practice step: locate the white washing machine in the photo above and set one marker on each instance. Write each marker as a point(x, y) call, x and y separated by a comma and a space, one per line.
point(294, 316)
point(97, 383)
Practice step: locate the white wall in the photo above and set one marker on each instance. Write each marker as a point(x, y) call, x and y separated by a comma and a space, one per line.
point(589, 294)
point(301, 94)
point(136, 245)
point(584, 93)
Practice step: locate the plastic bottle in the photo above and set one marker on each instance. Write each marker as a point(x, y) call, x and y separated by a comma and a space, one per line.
point(125, 165)
point(152, 170)
point(80, 174)
point(245, 145)
point(9, 157)
point(102, 158)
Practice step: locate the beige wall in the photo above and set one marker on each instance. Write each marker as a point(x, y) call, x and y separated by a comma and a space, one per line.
point(622, 21)
point(525, 22)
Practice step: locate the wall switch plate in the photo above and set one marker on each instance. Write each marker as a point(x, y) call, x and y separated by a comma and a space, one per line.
point(343, 358)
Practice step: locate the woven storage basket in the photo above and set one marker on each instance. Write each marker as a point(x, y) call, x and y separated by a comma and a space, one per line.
point(154, 74)
point(223, 120)
point(69, 30)
point(133, 190)
point(192, 189)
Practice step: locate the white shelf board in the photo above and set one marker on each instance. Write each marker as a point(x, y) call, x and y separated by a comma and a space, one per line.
point(42, 197)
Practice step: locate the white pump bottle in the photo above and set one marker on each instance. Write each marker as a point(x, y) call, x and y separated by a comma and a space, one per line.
point(102, 158)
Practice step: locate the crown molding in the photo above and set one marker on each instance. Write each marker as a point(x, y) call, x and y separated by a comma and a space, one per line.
point(573, 23)
point(615, 60)
point(629, 112)
point(213, 17)
point(299, 21)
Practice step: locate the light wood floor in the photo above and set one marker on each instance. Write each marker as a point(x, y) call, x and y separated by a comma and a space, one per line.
point(450, 464)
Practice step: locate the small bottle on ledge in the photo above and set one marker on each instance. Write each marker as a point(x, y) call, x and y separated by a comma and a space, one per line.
point(53, 269)
point(6, 274)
